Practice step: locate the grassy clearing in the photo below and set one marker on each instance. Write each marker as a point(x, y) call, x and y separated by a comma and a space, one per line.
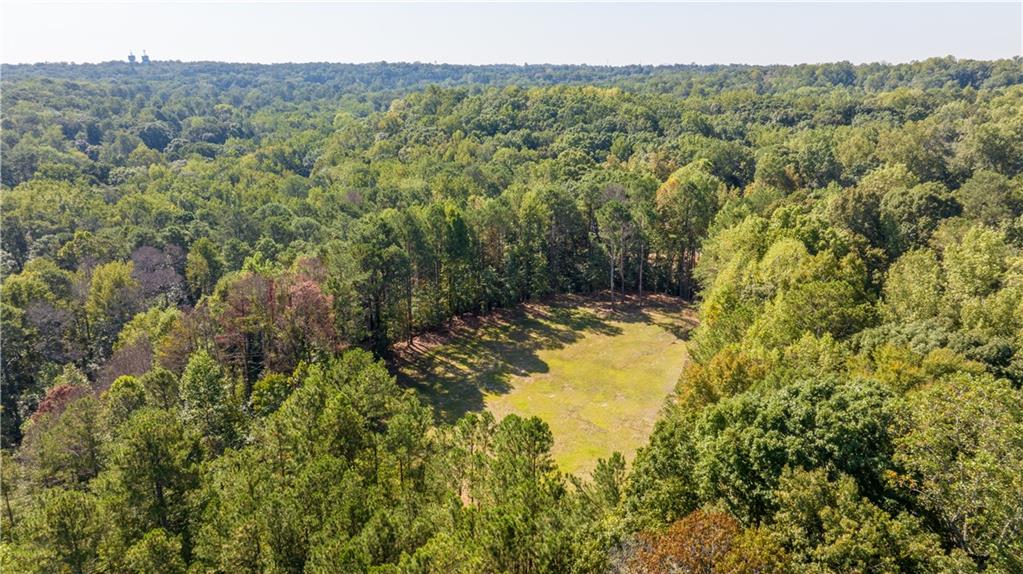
point(597, 376)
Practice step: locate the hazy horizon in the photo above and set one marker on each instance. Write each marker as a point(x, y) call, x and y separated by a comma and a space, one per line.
point(495, 64)
point(494, 33)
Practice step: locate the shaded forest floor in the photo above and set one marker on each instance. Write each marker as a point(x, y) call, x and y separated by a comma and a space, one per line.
point(598, 376)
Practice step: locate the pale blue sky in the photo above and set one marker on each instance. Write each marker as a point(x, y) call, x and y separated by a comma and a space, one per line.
point(480, 33)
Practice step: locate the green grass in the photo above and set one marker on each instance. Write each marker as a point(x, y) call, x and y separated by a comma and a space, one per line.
point(597, 376)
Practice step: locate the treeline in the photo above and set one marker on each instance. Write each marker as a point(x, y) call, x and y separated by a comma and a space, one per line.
point(292, 288)
point(855, 400)
point(677, 78)
point(335, 470)
point(189, 264)
point(93, 116)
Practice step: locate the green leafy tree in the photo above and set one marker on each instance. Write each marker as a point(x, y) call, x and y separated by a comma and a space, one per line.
point(909, 216)
point(150, 480)
point(65, 448)
point(206, 402)
point(156, 552)
point(817, 307)
point(914, 288)
point(743, 443)
point(963, 452)
point(826, 525)
point(203, 267)
point(990, 198)
point(112, 301)
point(974, 266)
point(616, 230)
point(662, 486)
point(125, 396)
point(67, 530)
point(161, 389)
point(685, 205)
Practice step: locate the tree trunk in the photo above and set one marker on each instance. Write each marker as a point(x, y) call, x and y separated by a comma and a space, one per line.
point(641, 262)
point(408, 310)
point(7, 505)
point(612, 277)
point(621, 271)
point(161, 503)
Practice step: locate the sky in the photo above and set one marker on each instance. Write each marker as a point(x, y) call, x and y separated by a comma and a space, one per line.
point(498, 32)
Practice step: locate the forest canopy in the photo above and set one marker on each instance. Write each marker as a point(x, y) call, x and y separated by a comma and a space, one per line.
point(206, 268)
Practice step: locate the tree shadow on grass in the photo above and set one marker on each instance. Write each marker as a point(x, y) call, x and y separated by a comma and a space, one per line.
point(479, 355)
point(634, 309)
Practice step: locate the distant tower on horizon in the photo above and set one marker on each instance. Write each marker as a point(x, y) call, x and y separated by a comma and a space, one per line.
point(131, 57)
point(145, 58)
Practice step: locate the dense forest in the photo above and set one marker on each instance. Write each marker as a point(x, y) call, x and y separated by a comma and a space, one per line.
point(206, 267)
